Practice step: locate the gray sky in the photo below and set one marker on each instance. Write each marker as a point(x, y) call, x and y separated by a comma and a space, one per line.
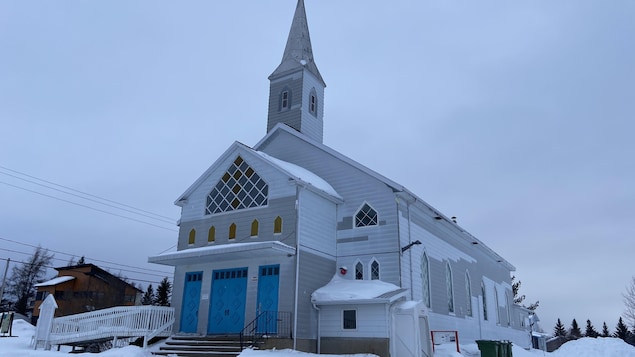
point(516, 117)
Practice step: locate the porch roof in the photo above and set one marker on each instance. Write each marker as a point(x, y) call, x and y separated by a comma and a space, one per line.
point(222, 252)
point(341, 291)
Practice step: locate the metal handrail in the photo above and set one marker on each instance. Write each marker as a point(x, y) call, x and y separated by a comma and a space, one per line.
point(266, 324)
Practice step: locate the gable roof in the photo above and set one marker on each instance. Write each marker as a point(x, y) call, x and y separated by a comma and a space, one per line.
point(297, 174)
point(397, 188)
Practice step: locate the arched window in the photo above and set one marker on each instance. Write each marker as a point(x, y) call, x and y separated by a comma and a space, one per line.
point(232, 231)
point(425, 279)
point(509, 316)
point(450, 288)
point(359, 271)
point(211, 235)
point(468, 293)
point(366, 216)
point(484, 293)
point(277, 225)
point(192, 237)
point(313, 102)
point(498, 317)
point(374, 270)
point(254, 228)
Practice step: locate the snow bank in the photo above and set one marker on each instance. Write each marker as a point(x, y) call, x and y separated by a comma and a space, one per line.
point(595, 347)
point(290, 353)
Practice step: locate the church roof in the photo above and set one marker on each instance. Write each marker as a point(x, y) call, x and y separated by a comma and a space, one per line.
point(298, 52)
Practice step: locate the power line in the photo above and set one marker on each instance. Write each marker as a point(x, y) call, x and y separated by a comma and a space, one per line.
point(89, 207)
point(78, 191)
point(89, 258)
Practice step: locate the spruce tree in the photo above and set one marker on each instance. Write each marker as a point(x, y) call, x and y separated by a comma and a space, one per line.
point(621, 331)
point(575, 330)
point(148, 296)
point(164, 292)
point(559, 330)
point(590, 330)
point(605, 330)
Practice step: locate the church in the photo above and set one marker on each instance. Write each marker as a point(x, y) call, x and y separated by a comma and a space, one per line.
point(309, 245)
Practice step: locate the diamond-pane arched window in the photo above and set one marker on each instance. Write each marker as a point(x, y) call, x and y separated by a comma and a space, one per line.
point(366, 216)
point(240, 187)
point(374, 270)
point(359, 271)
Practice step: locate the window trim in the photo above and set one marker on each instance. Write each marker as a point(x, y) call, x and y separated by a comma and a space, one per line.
point(344, 311)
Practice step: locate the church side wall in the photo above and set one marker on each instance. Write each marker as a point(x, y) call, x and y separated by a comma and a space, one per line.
point(316, 236)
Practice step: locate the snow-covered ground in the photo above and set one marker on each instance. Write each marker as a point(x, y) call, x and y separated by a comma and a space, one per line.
point(586, 347)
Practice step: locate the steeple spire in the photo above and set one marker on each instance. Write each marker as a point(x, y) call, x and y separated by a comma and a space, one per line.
point(298, 52)
point(296, 88)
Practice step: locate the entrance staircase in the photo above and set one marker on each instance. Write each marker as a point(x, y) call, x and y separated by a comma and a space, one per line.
point(203, 346)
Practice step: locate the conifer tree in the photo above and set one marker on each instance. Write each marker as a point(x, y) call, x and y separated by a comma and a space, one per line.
point(164, 292)
point(148, 296)
point(605, 330)
point(560, 330)
point(621, 331)
point(24, 276)
point(575, 330)
point(590, 330)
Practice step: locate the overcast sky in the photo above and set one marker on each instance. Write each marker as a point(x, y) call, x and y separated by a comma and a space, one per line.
point(514, 116)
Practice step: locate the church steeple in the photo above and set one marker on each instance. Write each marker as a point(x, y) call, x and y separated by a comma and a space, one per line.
point(296, 89)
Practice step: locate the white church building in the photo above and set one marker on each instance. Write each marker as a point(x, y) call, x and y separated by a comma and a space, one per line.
point(294, 231)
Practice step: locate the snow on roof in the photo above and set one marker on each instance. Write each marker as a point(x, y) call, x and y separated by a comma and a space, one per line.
point(56, 281)
point(343, 290)
point(302, 174)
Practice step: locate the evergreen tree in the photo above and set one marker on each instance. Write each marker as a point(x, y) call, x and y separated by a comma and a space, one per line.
point(24, 276)
point(605, 331)
point(164, 292)
point(575, 330)
point(621, 331)
point(515, 288)
point(148, 296)
point(590, 330)
point(559, 330)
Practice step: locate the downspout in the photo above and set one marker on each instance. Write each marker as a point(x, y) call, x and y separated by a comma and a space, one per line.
point(297, 267)
point(410, 252)
point(319, 335)
point(399, 242)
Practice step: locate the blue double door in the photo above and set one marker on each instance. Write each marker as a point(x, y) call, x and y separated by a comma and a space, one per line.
point(228, 300)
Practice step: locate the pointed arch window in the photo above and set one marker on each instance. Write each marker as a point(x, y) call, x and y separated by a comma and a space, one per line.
point(468, 293)
point(254, 228)
point(284, 101)
point(359, 271)
point(313, 102)
point(507, 300)
point(211, 235)
point(192, 237)
point(240, 187)
point(366, 216)
point(497, 306)
point(232, 231)
point(374, 270)
point(484, 293)
point(425, 279)
point(449, 286)
point(277, 225)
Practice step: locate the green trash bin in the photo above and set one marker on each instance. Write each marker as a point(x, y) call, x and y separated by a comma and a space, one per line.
point(502, 349)
point(488, 348)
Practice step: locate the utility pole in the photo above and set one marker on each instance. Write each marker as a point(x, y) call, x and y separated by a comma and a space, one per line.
point(4, 279)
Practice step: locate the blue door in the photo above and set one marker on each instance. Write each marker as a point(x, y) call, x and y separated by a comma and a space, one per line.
point(268, 286)
point(227, 303)
point(191, 299)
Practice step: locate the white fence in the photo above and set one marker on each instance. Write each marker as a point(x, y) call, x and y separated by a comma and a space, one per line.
point(112, 323)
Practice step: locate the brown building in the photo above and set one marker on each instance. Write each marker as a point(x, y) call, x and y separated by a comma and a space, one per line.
point(85, 287)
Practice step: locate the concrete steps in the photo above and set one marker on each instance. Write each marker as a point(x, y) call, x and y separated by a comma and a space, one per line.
point(201, 346)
